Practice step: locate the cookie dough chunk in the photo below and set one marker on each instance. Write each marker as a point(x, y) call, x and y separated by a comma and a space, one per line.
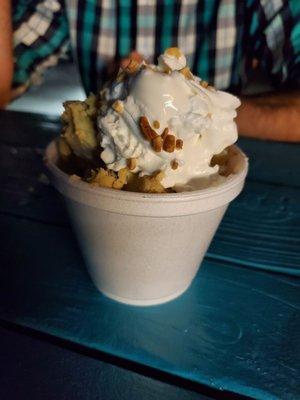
point(127, 180)
point(109, 178)
point(79, 121)
point(145, 184)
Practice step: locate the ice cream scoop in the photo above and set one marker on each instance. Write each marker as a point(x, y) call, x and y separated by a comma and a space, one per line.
point(166, 119)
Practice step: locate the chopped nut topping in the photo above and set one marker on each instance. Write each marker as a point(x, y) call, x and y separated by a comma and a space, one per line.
point(159, 175)
point(187, 73)
point(204, 84)
point(169, 143)
point(132, 67)
point(179, 144)
point(149, 66)
point(167, 70)
point(156, 124)
point(157, 144)
point(131, 163)
point(147, 131)
point(165, 133)
point(75, 178)
point(173, 52)
point(118, 106)
point(174, 164)
point(212, 88)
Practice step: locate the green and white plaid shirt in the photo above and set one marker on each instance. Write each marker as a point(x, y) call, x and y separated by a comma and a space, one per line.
point(223, 39)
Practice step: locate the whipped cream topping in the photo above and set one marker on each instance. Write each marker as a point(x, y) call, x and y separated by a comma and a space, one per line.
point(201, 117)
point(172, 62)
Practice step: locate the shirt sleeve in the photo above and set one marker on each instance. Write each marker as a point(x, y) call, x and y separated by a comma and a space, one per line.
point(40, 39)
point(278, 41)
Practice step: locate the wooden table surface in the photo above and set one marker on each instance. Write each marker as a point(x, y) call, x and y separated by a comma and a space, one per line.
point(234, 333)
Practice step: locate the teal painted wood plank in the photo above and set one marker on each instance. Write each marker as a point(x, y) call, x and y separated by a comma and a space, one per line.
point(68, 375)
point(272, 162)
point(25, 186)
point(261, 229)
point(235, 329)
point(27, 129)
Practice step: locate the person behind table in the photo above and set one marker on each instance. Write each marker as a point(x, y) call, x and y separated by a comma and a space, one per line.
point(226, 42)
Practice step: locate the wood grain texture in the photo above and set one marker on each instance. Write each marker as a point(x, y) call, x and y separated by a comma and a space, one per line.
point(272, 162)
point(32, 369)
point(236, 329)
point(261, 229)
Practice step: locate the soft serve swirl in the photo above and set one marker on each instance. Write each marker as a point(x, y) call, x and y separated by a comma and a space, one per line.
point(169, 96)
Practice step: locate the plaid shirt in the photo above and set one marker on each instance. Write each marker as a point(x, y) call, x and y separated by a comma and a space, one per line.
point(224, 40)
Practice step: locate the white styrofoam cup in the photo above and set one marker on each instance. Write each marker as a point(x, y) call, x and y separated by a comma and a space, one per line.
point(143, 249)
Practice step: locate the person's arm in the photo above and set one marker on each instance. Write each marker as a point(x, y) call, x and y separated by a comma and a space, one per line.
point(6, 53)
point(274, 44)
point(274, 116)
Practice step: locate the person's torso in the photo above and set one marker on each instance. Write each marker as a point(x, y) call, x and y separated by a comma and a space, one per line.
point(211, 33)
point(220, 38)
